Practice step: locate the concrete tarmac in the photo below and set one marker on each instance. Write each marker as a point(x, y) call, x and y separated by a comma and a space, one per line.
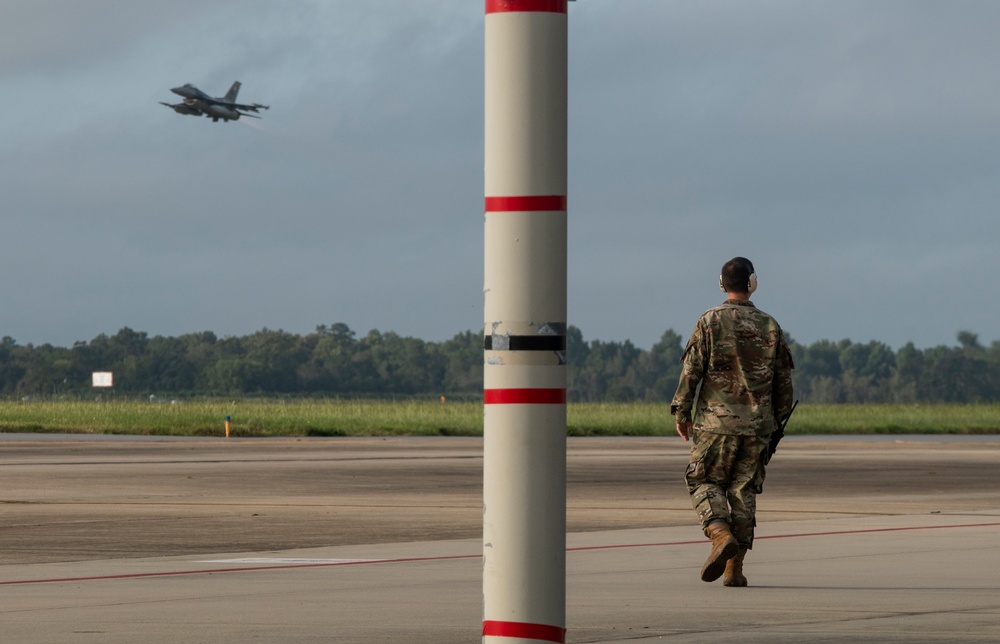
point(378, 540)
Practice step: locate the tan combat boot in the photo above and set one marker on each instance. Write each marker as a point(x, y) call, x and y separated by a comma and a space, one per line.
point(724, 548)
point(733, 576)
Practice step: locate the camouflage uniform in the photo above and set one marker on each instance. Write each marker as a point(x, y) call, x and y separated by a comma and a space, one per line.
point(738, 356)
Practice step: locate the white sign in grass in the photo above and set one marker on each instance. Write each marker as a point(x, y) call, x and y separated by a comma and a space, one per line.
point(103, 379)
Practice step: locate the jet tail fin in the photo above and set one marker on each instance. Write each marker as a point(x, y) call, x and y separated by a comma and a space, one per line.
point(233, 91)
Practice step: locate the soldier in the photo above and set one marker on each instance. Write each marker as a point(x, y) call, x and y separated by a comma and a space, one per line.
point(738, 357)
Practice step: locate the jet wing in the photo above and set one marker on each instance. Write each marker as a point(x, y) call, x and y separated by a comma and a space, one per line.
point(247, 107)
point(252, 107)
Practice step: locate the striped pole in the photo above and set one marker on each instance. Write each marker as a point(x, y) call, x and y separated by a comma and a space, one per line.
point(524, 468)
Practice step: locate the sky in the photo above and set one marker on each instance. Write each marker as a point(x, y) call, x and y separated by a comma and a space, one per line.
point(850, 149)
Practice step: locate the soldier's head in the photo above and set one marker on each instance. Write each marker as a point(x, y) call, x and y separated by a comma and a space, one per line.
point(738, 276)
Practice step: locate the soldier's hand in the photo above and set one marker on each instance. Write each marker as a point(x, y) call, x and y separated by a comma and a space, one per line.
point(684, 429)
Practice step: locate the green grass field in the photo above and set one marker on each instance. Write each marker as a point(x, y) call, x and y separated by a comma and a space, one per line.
point(264, 417)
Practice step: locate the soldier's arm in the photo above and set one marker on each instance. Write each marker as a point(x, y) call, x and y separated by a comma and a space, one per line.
point(782, 394)
point(692, 372)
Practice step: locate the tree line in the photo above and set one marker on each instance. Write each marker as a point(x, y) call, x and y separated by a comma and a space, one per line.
point(334, 361)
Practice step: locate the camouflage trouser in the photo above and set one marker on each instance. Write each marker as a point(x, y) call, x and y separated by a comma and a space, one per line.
point(724, 477)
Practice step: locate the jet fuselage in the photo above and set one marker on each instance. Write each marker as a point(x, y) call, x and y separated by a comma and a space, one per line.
point(198, 103)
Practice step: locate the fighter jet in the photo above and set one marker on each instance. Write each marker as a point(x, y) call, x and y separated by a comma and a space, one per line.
point(198, 103)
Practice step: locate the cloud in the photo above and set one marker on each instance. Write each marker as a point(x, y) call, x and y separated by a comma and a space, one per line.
point(847, 147)
point(53, 37)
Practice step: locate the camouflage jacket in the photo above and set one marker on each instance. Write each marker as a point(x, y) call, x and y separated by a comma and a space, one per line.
point(738, 356)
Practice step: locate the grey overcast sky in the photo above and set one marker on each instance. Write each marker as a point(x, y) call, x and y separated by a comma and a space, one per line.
point(848, 147)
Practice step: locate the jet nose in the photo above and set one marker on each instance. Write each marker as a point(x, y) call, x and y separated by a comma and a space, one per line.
point(178, 90)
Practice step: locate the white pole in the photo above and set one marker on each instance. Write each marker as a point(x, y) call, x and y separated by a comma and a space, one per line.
point(524, 470)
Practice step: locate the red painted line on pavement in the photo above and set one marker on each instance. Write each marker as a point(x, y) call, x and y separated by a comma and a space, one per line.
point(176, 573)
point(524, 396)
point(789, 536)
point(523, 630)
point(536, 203)
point(871, 530)
point(214, 571)
point(504, 6)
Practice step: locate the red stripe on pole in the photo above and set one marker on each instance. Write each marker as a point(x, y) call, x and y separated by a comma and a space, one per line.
point(505, 6)
point(524, 396)
point(525, 631)
point(526, 204)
